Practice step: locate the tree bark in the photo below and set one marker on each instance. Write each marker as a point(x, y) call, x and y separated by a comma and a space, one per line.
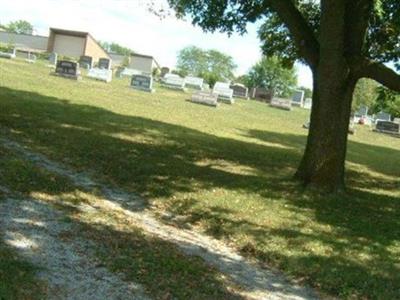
point(323, 163)
point(324, 158)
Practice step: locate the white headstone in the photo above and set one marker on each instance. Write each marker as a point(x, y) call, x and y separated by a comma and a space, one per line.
point(100, 74)
point(224, 92)
point(307, 103)
point(173, 82)
point(282, 103)
point(194, 82)
point(206, 98)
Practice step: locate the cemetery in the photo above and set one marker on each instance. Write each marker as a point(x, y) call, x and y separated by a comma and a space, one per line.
point(226, 173)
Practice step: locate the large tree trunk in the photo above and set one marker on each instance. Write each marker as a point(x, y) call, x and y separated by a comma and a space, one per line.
point(323, 162)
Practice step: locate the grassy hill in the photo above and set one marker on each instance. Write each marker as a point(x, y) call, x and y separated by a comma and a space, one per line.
point(226, 170)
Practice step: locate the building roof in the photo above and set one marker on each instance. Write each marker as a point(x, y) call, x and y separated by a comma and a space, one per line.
point(69, 32)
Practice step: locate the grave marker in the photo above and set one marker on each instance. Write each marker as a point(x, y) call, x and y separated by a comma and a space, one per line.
point(224, 92)
point(307, 103)
point(104, 63)
point(86, 62)
point(261, 94)
point(67, 69)
point(194, 82)
point(240, 91)
point(388, 127)
point(142, 83)
point(173, 81)
point(298, 98)
point(205, 98)
point(100, 74)
point(281, 103)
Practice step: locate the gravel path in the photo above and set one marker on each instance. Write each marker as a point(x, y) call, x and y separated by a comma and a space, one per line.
point(257, 283)
point(35, 230)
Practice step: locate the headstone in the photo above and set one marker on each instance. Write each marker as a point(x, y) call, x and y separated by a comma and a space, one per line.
point(240, 91)
point(67, 69)
point(261, 94)
point(53, 59)
point(205, 98)
point(194, 82)
point(86, 62)
point(307, 103)
point(11, 54)
point(382, 116)
point(298, 98)
point(164, 71)
point(224, 92)
point(104, 63)
point(130, 72)
point(100, 74)
point(173, 81)
point(142, 82)
point(396, 120)
point(281, 103)
point(388, 127)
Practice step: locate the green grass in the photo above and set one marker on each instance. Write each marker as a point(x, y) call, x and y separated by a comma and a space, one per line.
point(120, 246)
point(227, 171)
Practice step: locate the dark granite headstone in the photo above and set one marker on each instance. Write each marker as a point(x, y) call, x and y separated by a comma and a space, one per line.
point(388, 127)
point(261, 94)
point(67, 69)
point(239, 91)
point(104, 63)
point(142, 82)
point(298, 98)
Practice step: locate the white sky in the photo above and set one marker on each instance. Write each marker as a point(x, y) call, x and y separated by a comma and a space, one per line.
point(129, 23)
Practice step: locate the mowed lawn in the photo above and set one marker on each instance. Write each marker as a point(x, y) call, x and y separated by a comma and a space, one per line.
point(226, 171)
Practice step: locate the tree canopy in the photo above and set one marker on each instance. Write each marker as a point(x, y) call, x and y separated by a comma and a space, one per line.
point(270, 74)
point(20, 27)
point(212, 65)
point(116, 48)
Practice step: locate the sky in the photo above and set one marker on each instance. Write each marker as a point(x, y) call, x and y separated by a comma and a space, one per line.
point(129, 23)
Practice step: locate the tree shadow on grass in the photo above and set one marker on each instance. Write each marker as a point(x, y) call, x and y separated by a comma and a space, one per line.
point(158, 159)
